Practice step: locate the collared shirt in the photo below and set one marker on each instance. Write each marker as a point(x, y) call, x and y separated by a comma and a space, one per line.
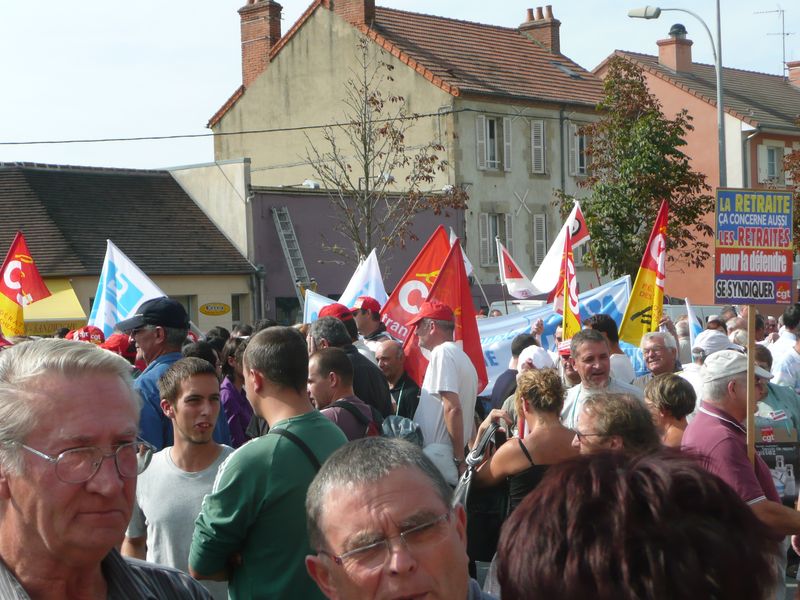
point(405, 394)
point(721, 442)
point(576, 398)
point(127, 579)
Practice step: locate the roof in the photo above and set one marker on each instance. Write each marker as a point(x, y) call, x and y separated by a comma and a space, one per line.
point(67, 213)
point(469, 59)
point(759, 99)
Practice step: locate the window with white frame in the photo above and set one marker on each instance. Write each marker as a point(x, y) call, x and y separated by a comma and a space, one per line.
point(493, 143)
point(578, 160)
point(494, 225)
point(770, 157)
point(538, 146)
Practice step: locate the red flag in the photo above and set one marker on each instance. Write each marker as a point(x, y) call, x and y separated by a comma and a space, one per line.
point(452, 289)
point(20, 285)
point(578, 229)
point(414, 287)
point(517, 284)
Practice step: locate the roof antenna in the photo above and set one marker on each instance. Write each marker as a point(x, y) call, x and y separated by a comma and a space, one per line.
point(783, 34)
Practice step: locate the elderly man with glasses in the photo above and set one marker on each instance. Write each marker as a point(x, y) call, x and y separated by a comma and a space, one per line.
point(380, 519)
point(660, 351)
point(69, 458)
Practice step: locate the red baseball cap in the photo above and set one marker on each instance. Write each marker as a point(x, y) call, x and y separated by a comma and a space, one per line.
point(340, 311)
point(120, 343)
point(438, 311)
point(367, 303)
point(89, 333)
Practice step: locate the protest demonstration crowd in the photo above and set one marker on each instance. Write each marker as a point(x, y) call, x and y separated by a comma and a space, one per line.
point(335, 459)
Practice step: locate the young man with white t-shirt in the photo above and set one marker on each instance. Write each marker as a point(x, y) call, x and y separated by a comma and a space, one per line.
point(170, 493)
point(447, 400)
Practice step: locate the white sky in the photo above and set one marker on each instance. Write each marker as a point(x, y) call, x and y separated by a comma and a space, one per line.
point(99, 69)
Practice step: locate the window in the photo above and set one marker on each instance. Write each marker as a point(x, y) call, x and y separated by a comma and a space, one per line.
point(190, 304)
point(539, 239)
point(537, 146)
point(770, 156)
point(578, 161)
point(493, 143)
point(494, 225)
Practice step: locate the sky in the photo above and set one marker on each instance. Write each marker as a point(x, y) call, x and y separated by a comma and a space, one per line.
point(110, 69)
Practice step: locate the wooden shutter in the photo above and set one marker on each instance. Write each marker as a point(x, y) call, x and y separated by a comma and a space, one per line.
point(485, 250)
point(573, 149)
point(539, 239)
point(480, 137)
point(509, 243)
point(761, 156)
point(537, 146)
point(506, 144)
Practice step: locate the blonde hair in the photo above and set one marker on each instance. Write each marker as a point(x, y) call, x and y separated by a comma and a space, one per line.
point(541, 389)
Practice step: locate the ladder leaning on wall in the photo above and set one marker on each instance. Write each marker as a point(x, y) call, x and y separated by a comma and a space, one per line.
point(291, 250)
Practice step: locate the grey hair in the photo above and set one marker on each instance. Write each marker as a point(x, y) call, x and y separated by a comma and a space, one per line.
point(669, 341)
point(366, 461)
point(583, 336)
point(445, 326)
point(21, 368)
point(716, 390)
point(331, 330)
point(682, 327)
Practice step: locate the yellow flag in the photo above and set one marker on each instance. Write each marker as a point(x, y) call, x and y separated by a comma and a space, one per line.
point(647, 298)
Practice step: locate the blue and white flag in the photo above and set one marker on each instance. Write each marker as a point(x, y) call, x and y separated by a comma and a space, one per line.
point(497, 333)
point(467, 265)
point(121, 289)
point(366, 281)
point(314, 303)
point(695, 327)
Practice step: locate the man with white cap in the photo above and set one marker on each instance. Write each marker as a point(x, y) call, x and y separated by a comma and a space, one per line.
point(718, 437)
point(706, 343)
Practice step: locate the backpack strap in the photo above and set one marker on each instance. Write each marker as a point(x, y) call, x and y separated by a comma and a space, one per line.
point(353, 411)
point(300, 444)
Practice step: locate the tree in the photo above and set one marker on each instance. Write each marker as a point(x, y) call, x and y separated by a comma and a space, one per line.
point(635, 162)
point(791, 167)
point(359, 159)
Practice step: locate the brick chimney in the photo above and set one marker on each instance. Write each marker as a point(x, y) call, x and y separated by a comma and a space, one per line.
point(794, 72)
point(675, 53)
point(544, 28)
point(357, 12)
point(261, 30)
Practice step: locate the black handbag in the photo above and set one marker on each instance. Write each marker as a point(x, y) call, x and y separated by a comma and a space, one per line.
point(486, 508)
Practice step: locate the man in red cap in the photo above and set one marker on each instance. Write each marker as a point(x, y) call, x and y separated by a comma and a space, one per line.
point(447, 403)
point(346, 316)
point(367, 314)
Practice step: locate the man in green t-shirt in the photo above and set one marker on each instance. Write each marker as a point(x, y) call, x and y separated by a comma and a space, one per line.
point(251, 529)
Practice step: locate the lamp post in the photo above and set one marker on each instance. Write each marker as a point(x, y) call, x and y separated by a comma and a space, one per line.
point(653, 12)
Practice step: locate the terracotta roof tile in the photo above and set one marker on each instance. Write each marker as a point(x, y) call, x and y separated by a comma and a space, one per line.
point(67, 213)
point(759, 99)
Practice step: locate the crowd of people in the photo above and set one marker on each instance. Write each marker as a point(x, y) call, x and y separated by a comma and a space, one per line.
point(305, 462)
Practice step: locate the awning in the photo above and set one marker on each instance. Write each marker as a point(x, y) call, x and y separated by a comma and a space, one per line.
point(61, 309)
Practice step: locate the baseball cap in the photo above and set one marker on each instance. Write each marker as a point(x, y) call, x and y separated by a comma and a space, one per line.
point(714, 340)
point(120, 343)
point(716, 318)
point(164, 312)
point(340, 311)
point(88, 333)
point(538, 356)
point(726, 363)
point(565, 348)
point(438, 311)
point(367, 303)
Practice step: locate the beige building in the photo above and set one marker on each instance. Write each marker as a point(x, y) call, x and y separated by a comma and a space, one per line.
point(504, 103)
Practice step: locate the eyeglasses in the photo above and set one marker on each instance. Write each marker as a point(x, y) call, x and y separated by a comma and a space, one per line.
point(582, 436)
point(416, 539)
point(654, 350)
point(79, 465)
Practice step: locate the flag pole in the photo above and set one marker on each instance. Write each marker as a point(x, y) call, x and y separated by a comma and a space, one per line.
point(503, 283)
point(505, 299)
point(478, 281)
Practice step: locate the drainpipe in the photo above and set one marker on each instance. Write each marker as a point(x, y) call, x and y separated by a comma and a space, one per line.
point(746, 152)
point(561, 121)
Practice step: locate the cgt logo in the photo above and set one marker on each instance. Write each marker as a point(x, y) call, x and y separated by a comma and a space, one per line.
point(783, 293)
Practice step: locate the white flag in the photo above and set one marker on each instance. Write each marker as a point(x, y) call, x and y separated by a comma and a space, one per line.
point(467, 264)
point(695, 327)
point(366, 281)
point(314, 303)
point(517, 284)
point(121, 289)
point(547, 276)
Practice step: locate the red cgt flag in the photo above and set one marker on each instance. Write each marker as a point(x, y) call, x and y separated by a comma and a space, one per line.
point(451, 288)
point(20, 285)
point(414, 287)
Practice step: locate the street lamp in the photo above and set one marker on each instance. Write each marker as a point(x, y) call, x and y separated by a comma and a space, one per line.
point(653, 12)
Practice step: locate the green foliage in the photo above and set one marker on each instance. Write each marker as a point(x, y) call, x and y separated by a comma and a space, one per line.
point(635, 162)
point(791, 166)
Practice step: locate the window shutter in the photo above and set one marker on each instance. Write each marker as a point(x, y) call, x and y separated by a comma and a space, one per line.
point(573, 149)
point(539, 239)
point(761, 154)
point(537, 146)
point(480, 136)
point(787, 175)
point(485, 250)
point(506, 144)
point(509, 241)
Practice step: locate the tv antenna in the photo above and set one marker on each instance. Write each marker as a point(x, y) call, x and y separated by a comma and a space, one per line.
point(783, 33)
